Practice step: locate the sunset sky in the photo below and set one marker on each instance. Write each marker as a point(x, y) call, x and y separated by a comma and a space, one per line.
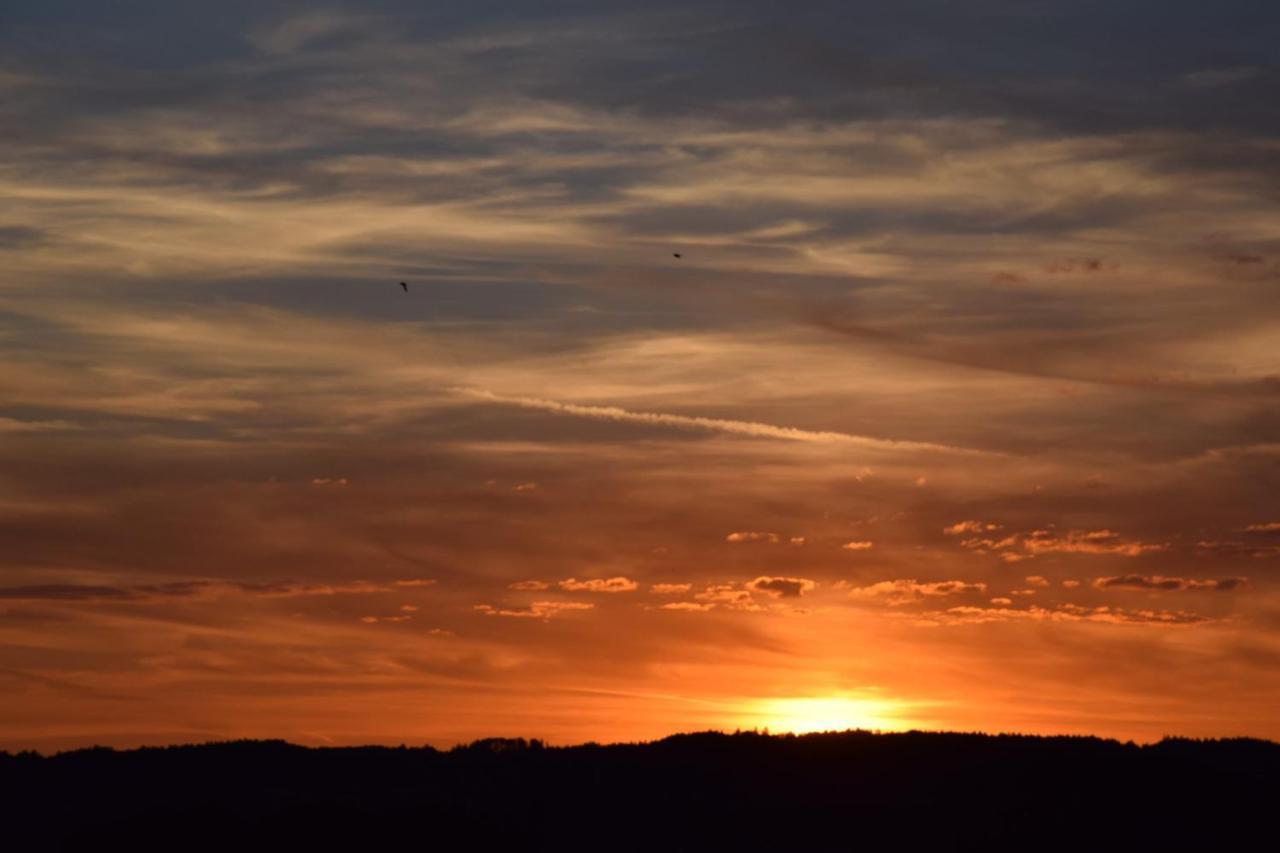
point(959, 410)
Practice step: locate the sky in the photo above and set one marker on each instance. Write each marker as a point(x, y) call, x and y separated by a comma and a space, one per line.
point(958, 409)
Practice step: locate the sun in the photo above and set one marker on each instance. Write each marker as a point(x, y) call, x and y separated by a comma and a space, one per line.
point(801, 715)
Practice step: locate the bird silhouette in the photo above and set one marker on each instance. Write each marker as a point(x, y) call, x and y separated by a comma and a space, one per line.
point(405, 286)
point(675, 254)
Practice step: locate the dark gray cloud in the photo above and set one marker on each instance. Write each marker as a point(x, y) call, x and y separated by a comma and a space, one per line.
point(1169, 584)
point(19, 236)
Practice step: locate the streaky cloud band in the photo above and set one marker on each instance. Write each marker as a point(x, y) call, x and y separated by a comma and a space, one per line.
point(734, 427)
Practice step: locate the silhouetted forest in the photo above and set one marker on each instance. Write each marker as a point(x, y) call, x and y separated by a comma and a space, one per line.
point(836, 791)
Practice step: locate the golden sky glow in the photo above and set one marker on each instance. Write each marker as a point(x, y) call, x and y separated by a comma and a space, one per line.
point(958, 410)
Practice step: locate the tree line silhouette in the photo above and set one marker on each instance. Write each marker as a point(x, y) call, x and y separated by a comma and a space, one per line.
point(707, 791)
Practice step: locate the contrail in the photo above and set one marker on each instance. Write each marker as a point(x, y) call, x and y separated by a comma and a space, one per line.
point(750, 428)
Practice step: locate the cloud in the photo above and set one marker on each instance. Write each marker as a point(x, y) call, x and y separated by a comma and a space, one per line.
point(414, 582)
point(1168, 584)
point(529, 585)
point(669, 588)
point(67, 592)
point(1036, 580)
point(181, 589)
point(780, 587)
point(1213, 78)
point(691, 606)
point(899, 592)
point(967, 615)
point(1264, 527)
point(962, 527)
point(1021, 546)
point(371, 620)
point(1233, 549)
point(536, 610)
point(616, 584)
point(858, 545)
point(745, 428)
point(289, 588)
point(729, 596)
point(1086, 542)
point(19, 236)
point(751, 536)
point(13, 425)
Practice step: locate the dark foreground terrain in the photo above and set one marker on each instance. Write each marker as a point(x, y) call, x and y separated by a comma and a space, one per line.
point(847, 791)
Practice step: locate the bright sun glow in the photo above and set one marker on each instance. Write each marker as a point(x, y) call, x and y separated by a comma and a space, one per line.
point(828, 713)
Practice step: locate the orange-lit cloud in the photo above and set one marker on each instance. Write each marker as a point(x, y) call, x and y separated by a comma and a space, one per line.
point(899, 592)
point(1167, 584)
point(616, 584)
point(536, 610)
point(752, 536)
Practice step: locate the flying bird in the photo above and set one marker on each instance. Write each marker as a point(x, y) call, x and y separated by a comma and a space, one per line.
point(675, 254)
point(405, 286)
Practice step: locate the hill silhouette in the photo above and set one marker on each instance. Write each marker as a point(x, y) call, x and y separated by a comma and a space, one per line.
point(835, 791)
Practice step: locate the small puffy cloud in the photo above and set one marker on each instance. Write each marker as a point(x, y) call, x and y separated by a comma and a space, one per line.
point(618, 584)
point(669, 588)
point(1168, 584)
point(796, 540)
point(962, 527)
point(752, 536)
point(524, 487)
point(858, 545)
point(1022, 592)
point(409, 608)
point(1036, 580)
point(414, 582)
point(372, 620)
point(898, 592)
point(329, 481)
point(1002, 602)
point(781, 587)
point(1071, 583)
point(531, 584)
point(536, 610)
